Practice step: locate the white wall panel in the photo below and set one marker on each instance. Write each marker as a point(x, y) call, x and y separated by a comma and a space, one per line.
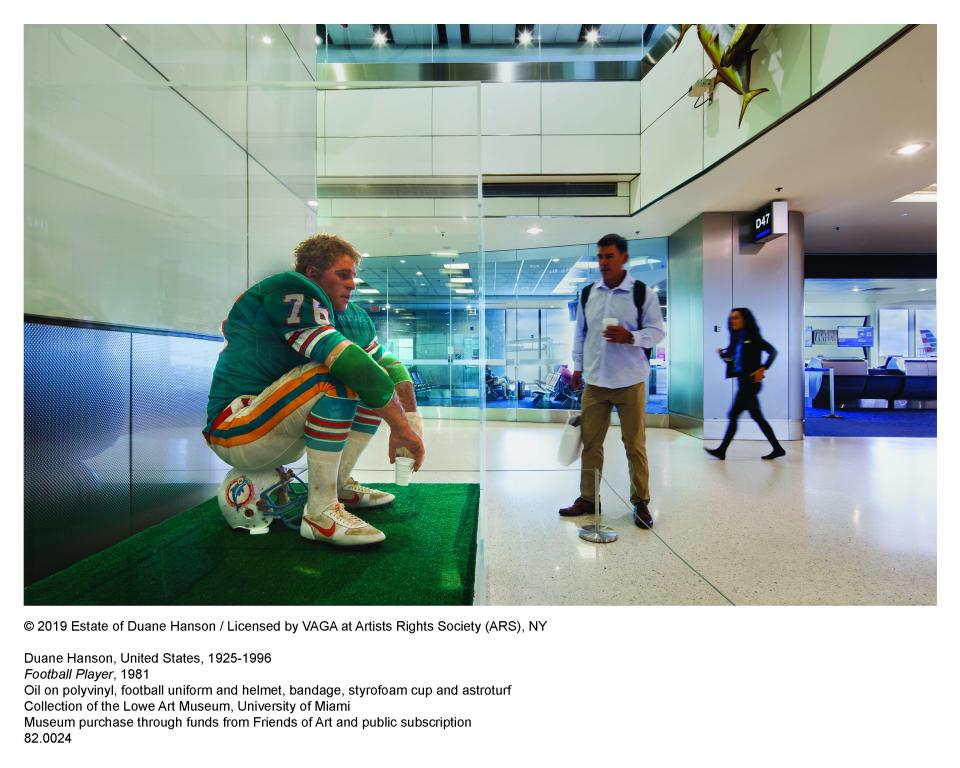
point(511, 206)
point(635, 193)
point(303, 39)
point(837, 47)
point(408, 156)
point(282, 121)
point(584, 206)
point(591, 154)
point(383, 207)
point(455, 111)
point(455, 206)
point(511, 154)
point(671, 151)
point(105, 168)
point(278, 222)
point(321, 113)
point(321, 157)
point(455, 155)
point(510, 109)
point(196, 58)
point(584, 108)
point(669, 80)
point(781, 65)
point(379, 112)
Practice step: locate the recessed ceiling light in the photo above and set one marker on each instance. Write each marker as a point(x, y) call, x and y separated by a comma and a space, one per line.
point(419, 274)
point(365, 255)
point(593, 36)
point(656, 287)
point(904, 214)
point(456, 266)
point(316, 40)
point(534, 230)
point(380, 38)
point(359, 280)
point(922, 290)
point(855, 290)
point(526, 37)
point(446, 253)
point(555, 261)
point(367, 290)
point(312, 203)
point(463, 290)
point(910, 149)
point(403, 261)
point(424, 285)
point(387, 306)
point(461, 279)
point(266, 39)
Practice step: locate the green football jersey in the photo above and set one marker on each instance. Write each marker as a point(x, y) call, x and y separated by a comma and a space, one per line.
point(283, 322)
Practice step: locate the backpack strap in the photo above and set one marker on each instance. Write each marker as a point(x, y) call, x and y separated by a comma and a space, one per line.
point(639, 297)
point(584, 295)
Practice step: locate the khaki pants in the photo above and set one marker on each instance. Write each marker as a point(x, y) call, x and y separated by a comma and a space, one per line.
point(596, 406)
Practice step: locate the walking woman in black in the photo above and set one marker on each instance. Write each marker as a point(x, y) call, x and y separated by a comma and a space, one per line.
point(742, 357)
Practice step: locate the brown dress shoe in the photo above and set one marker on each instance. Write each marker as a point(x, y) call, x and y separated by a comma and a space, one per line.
point(641, 515)
point(580, 507)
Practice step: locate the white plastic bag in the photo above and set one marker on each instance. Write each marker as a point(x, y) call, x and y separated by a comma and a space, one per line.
point(571, 441)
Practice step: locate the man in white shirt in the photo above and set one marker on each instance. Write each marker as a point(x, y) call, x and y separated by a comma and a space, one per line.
point(615, 328)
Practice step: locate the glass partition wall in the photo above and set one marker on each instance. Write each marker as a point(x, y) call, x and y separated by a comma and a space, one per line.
point(531, 302)
point(397, 175)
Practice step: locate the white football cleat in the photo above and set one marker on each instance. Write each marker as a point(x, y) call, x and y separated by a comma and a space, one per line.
point(337, 526)
point(355, 496)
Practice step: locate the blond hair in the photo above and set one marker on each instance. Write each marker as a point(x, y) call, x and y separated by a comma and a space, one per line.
point(321, 251)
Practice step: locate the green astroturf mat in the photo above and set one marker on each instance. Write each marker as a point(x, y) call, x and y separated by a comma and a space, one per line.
point(193, 558)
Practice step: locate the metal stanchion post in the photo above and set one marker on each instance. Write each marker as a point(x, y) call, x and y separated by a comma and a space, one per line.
point(597, 533)
point(833, 412)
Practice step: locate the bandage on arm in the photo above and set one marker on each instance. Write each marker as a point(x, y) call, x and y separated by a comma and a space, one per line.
point(357, 370)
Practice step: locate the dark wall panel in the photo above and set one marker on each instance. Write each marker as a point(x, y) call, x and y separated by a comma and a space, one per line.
point(172, 467)
point(76, 444)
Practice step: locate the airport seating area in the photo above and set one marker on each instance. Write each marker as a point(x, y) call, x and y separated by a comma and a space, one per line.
point(906, 380)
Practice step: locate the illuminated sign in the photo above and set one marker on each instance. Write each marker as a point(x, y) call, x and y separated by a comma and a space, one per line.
point(766, 223)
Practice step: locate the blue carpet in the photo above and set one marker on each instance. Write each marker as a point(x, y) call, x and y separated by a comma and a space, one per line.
point(871, 422)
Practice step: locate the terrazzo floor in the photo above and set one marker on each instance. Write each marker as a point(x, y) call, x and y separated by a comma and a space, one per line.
point(838, 521)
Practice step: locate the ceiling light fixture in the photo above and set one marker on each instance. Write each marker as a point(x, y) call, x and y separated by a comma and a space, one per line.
point(593, 36)
point(461, 279)
point(534, 230)
point(463, 290)
point(922, 290)
point(910, 149)
point(359, 280)
point(266, 39)
point(456, 266)
point(926, 195)
point(555, 260)
point(403, 261)
point(855, 290)
point(379, 38)
point(446, 253)
point(316, 40)
point(526, 37)
point(419, 274)
point(312, 203)
point(367, 290)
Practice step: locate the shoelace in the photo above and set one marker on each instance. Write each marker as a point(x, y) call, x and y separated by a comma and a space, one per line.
point(340, 514)
point(354, 486)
